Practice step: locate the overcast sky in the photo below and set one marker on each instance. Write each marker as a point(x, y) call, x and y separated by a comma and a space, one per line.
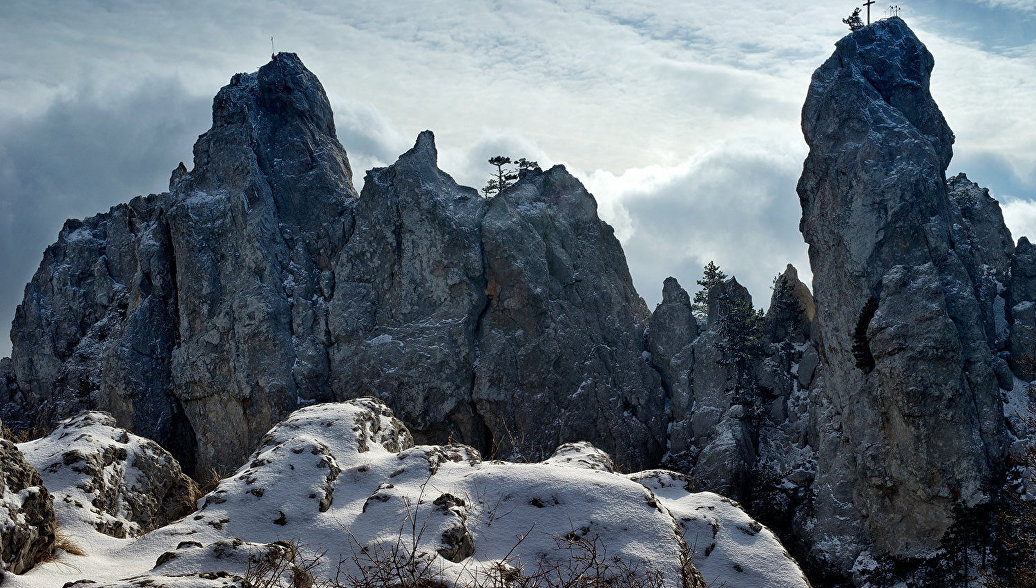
point(682, 117)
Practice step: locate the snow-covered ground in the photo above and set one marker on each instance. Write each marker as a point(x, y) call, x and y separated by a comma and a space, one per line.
point(345, 481)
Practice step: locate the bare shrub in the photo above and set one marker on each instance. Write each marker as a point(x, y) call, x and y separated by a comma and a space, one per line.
point(575, 562)
point(398, 563)
point(21, 435)
point(282, 565)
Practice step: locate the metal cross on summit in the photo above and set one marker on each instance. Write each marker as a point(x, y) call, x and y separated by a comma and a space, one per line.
point(868, 5)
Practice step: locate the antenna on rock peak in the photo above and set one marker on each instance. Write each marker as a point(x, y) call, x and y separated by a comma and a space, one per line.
point(273, 53)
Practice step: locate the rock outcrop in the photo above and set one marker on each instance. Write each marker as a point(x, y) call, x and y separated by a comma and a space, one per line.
point(560, 342)
point(262, 282)
point(348, 479)
point(909, 274)
point(27, 523)
point(1021, 304)
point(109, 479)
point(740, 385)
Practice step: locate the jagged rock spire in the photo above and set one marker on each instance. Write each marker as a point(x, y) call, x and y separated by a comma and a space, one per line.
point(910, 417)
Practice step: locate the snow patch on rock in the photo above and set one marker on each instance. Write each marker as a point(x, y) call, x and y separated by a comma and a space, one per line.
point(346, 480)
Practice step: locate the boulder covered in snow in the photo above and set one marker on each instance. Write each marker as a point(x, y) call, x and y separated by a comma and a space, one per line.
point(107, 478)
point(727, 546)
point(27, 522)
point(341, 488)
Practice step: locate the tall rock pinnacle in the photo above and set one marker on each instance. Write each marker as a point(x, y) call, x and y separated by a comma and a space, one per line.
point(910, 426)
point(267, 194)
point(176, 310)
point(275, 127)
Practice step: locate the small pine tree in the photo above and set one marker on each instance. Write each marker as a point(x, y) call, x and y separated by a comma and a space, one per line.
point(505, 177)
point(712, 276)
point(525, 165)
point(854, 21)
point(744, 330)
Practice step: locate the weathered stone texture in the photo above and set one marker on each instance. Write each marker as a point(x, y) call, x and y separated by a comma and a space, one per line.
point(27, 522)
point(262, 282)
point(906, 275)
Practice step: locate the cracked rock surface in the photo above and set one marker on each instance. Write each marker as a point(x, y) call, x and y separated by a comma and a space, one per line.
point(120, 484)
point(27, 521)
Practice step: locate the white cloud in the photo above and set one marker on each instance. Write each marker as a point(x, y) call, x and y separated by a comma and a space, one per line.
point(1020, 216)
point(734, 204)
point(1023, 5)
point(84, 154)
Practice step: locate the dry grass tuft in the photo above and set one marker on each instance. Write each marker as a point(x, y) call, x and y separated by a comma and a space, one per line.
point(208, 481)
point(20, 435)
point(68, 545)
point(62, 542)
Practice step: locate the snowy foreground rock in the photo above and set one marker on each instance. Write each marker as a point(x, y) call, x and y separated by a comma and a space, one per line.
point(345, 481)
point(27, 522)
point(109, 479)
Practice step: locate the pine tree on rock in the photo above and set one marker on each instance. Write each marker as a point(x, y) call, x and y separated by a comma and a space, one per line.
point(712, 276)
point(505, 177)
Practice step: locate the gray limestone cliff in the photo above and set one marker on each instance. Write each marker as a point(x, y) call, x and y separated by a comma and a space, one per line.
point(560, 342)
point(909, 274)
point(262, 282)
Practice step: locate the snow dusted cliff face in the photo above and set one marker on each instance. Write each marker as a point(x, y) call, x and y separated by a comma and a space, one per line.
point(338, 478)
point(261, 282)
point(910, 274)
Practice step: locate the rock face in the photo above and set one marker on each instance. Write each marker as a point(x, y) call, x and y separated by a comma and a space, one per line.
point(1021, 302)
point(740, 385)
point(261, 282)
point(909, 278)
point(104, 477)
point(263, 203)
point(560, 342)
point(27, 522)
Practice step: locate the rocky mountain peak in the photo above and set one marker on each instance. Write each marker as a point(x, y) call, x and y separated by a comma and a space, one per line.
point(673, 293)
point(891, 65)
point(419, 164)
point(723, 297)
point(425, 144)
point(791, 308)
point(909, 309)
point(273, 137)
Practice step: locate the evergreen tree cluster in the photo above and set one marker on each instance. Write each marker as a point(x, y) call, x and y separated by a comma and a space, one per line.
point(742, 324)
